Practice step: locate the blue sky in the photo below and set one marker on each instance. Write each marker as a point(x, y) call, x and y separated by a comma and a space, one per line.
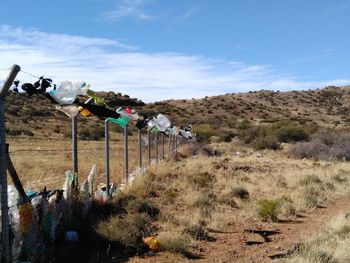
point(163, 49)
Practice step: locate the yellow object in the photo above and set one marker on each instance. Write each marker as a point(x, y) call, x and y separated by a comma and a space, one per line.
point(85, 112)
point(152, 243)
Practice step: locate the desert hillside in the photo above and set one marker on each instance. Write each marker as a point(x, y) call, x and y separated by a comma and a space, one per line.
point(329, 107)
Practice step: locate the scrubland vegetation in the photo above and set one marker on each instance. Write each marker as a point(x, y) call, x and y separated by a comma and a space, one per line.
point(255, 165)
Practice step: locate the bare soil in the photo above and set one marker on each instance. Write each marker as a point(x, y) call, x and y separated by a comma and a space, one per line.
point(243, 243)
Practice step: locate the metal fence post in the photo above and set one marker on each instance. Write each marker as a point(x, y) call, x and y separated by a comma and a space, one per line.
point(75, 144)
point(5, 227)
point(163, 146)
point(149, 146)
point(169, 152)
point(107, 155)
point(126, 154)
point(139, 147)
point(156, 145)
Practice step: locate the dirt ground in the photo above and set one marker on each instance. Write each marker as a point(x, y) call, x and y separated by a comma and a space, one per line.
point(240, 244)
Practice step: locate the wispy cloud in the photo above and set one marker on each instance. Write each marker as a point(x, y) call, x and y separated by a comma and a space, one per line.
point(186, 15)
point(109, 65)
point(130, 8)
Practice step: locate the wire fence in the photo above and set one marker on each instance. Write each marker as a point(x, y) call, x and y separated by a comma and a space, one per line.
point(39, 217)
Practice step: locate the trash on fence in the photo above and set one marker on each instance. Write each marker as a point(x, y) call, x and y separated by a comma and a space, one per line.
point(67, 92)
point(69, 110)
point(91, 180)
point(128, 113)
point(122, 121)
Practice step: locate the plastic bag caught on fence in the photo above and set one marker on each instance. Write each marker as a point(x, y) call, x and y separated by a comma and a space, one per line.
point(91, 180)
point(122, 121)
point(128, 113)
point(161, 122)
point(67, 92)
point(69, 110)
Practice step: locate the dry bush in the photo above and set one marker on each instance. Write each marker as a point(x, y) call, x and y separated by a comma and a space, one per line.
point(198, 231)
point(239, 192)
point(205, 202)
point(268, 209)
point(324, 146)
point(174, 243)
point(128, 230)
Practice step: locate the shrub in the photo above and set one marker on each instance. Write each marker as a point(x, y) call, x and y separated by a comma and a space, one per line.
point(268, 209)
point(324, 145)
point(240, 192)
point(292, 134)
point(205, 203)
point(177, 244)
point(198, 231)
point(267, 142)
point(201, 180)
point(128, 230)
point(204, 133)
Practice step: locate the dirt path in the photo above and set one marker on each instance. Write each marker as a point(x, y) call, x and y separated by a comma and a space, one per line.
point(238, 245)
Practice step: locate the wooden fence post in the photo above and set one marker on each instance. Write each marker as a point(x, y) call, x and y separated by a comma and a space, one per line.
point(5, 225)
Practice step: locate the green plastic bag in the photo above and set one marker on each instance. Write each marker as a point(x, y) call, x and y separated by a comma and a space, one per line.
point(122, 121)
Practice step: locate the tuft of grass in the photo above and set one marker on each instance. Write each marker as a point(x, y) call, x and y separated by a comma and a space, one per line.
point(175, 244)
point(205, 203)
point(313, 196)
point(128, 231)
point(198, 231)
point(268, 209)
point(169, 196)
point(310, 180)
point(143, 206)
point(339, 178)
point(202, 180)
point(239, 192)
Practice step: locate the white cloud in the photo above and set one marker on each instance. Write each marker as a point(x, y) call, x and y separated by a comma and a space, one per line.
point(130, 8)
point(111, 65)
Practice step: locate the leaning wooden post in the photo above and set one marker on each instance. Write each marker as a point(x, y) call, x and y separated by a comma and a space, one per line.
point(156, 145)
point(126, 154)
point(149, 146)
point(107, 155)
point(139, 147)
point(163, 146)
point(5, 226)
point(75, 144)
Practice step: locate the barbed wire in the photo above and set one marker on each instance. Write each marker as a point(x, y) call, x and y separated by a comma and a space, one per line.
point(30, 74)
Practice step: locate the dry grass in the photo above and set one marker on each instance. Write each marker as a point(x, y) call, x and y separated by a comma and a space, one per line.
point(43, 162)
point(330, 245)
point(195, 195)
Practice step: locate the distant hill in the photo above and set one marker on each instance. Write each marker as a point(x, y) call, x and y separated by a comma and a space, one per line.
point(328, 107)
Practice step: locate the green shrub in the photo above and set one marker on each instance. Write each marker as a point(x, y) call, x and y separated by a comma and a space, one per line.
point(267, 142)
point(268, 209)
point(292, 134)
point(204, 133)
